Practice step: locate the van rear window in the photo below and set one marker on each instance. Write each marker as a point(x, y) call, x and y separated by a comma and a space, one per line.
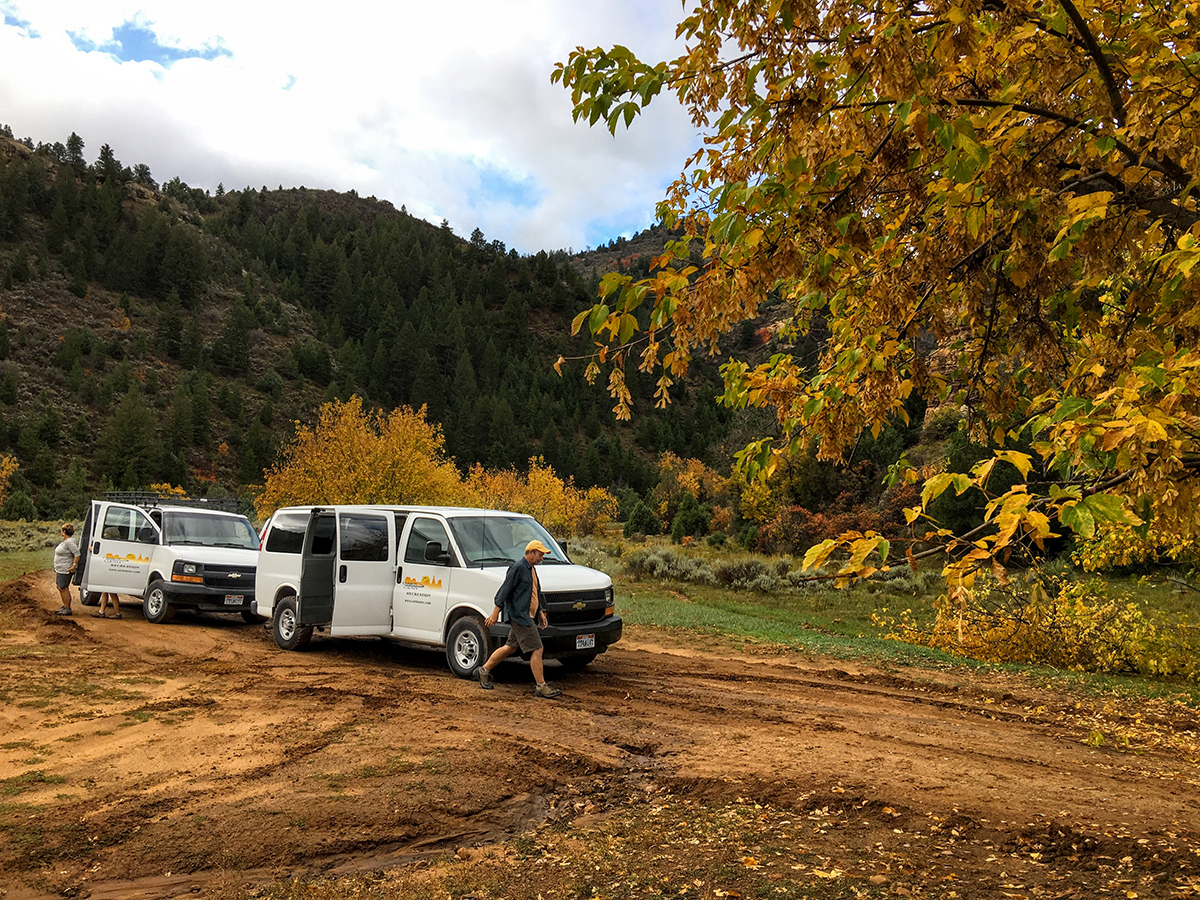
point(287, 534)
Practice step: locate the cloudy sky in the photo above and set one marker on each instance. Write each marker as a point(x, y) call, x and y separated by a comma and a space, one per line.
point(445, 107)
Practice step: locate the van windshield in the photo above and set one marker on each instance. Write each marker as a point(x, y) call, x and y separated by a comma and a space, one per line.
point(209, 531)
point(501, 540)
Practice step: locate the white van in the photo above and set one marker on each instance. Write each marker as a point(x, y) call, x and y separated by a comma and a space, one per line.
point(170, 553)
point(422, 575)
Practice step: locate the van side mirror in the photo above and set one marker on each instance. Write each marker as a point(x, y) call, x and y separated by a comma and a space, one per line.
point(435, 554)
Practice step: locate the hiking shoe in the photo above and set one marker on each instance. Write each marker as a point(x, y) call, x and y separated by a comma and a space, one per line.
point(485, 678)
point(63, 611)
point(546, 691)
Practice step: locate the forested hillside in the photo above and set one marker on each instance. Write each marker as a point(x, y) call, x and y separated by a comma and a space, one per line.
point(162, 334)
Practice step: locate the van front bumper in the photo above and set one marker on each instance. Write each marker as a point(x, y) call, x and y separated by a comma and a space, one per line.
point(209, 599)
point(563, 642)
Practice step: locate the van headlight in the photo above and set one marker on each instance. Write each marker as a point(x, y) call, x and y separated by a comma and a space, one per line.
point(189, 572)
point(610, 608)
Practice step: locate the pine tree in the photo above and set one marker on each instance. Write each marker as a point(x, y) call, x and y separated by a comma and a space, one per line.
point(75, 151)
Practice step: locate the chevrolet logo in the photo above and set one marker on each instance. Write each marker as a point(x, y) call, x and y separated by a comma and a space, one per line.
point(579, 605)
point(234, 575)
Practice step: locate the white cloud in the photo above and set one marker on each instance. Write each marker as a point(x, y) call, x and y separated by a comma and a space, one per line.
point(445, 108)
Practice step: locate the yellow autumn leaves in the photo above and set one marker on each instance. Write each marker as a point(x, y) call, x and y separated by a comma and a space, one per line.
point(355, 455)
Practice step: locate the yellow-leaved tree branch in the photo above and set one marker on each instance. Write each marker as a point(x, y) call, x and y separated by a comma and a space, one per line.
point(986, 204)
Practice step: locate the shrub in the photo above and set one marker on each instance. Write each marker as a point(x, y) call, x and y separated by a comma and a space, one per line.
point(747, 575)
point(941, 423)
point(668, 565)
point(18, 507)
point(642, 520)
point(692, 519)
point(1058, 622)
point(1120, 548)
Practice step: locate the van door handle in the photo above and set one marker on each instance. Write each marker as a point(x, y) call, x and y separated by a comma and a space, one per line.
point(96, 547)
point(342, 574)
point(399, 574)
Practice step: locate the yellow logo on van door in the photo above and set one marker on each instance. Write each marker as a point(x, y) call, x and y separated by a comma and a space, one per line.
point(426, 581)
point(129, 557)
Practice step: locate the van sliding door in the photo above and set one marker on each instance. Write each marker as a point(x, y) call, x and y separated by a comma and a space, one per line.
point(365, 571)
point(317, 563)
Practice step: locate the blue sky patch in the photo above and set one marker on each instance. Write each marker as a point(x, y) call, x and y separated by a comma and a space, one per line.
point(20, 25)
point(132, 42)
point(501, 188)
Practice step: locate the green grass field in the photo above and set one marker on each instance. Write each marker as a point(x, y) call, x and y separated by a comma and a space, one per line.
point(16, 563)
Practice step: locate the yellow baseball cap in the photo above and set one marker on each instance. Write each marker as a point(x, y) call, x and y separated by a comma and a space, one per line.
point(536, 545)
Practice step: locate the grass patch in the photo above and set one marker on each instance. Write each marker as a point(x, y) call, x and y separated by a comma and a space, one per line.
point(16, 563)
point(18, 784)
point(837, 625)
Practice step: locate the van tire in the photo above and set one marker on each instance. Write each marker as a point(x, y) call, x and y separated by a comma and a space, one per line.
point(89, 598)
point(285, 624)
point(157, 606)
point(467, 646)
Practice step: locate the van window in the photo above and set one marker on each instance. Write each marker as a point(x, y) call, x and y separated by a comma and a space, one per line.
point(363, 538)
point(209, 530)
point(424, 531)
point(287, 533)
point(122, 523)
point(324, 529)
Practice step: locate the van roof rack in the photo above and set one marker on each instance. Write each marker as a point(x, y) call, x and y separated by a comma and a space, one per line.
point(148, 499)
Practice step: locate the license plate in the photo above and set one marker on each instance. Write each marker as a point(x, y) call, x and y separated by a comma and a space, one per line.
point(231, 599)
point(585, 641)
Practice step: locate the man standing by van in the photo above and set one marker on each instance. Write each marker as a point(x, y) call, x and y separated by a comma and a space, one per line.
point(519, 598)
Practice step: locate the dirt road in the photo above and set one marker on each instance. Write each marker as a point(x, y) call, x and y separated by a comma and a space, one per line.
point(154, 761)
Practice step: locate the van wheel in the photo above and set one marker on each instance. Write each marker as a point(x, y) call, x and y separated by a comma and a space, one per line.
point(90, 598)
point(157, 607)
point(252, 618)
point(467, 646)
point(285, 622)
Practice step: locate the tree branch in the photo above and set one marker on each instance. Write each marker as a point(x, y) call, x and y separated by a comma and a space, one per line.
point(1114, 92)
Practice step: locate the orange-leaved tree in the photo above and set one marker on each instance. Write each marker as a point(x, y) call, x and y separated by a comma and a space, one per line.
point(8, 467)
point(985, 204)
point(353, 455)
point(557, 504)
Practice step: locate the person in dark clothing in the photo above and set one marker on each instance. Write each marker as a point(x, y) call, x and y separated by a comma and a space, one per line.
point(519, 598)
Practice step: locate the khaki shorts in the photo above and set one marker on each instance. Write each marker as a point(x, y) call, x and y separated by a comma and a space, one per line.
point(525, 638)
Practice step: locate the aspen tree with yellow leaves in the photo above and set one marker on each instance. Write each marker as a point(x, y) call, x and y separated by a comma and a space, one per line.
point(355, 455)
point(8, 468)
point(988, 204)
point(352, 455)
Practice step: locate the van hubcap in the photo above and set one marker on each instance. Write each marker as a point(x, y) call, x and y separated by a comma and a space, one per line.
point(466, 650)
point(287, 624)
point(155, 603)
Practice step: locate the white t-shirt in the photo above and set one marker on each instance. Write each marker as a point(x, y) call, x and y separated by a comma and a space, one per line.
point(64, 555)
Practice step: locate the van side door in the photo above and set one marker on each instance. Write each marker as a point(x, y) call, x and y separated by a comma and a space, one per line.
point(423, 583)
point(317, 561)
point(121, 542)
point(364, 573)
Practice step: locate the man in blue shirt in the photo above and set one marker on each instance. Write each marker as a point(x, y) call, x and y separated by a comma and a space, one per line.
point(519, 598)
